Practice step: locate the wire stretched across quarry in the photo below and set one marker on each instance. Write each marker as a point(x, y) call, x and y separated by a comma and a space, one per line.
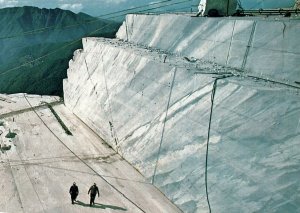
point(77, 40)
point(51, 53)
point(80, 159)
point(117, 15)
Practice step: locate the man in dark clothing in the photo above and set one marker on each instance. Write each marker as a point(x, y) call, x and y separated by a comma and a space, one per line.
point(93, 190)
point(74, 192)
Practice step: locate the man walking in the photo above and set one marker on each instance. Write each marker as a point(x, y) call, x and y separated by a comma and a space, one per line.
point(73, 192)
point(93, 190)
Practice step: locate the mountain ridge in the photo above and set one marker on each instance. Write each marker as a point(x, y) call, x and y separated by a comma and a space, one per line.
point(27, 33)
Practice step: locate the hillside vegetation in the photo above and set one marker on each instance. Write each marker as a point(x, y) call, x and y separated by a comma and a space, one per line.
point(21, 44)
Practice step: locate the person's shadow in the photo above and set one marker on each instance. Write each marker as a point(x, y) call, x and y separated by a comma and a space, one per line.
point(99, 206)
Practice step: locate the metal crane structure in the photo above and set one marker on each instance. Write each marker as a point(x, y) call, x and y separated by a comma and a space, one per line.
point(217, 7)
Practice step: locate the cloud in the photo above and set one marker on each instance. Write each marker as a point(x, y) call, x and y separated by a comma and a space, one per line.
point(8, 3)
point(114, 1)
point(77, 7)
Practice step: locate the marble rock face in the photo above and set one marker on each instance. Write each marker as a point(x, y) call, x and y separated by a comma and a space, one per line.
point(150, 99)
point(264, 47)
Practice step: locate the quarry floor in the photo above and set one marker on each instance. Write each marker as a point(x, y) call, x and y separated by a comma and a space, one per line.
point(43, 162)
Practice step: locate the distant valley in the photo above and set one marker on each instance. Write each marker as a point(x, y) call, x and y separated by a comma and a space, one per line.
point(27, 33)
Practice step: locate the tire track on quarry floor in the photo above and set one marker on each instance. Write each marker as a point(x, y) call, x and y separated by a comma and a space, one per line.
point(44, 164)
point(21, 111)
point(14, 181)
point(104, 179)
point(37, 195)
point(44, 161)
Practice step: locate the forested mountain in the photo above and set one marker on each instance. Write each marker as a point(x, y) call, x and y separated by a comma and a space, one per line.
point(27, 33)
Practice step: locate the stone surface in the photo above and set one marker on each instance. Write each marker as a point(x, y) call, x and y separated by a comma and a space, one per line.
point(261, 46)
point(153, 108)
point(43, 162)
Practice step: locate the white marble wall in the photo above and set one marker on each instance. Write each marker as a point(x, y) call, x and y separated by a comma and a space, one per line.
point(154, 108)
point(265, 47)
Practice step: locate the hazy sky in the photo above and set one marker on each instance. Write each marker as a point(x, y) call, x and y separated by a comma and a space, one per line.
point(98, 7)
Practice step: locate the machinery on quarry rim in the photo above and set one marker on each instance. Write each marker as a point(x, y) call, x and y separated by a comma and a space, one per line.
point(217, 8)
